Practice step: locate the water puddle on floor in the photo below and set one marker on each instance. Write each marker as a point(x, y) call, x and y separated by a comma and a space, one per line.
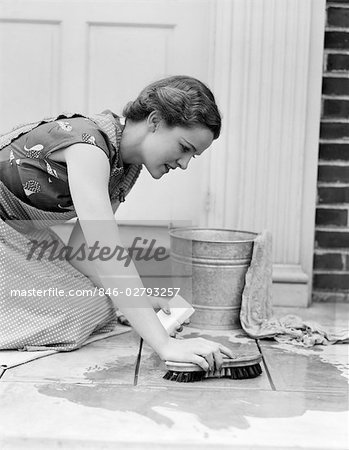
point(110, 387)
point(122, 369)
point(237, 343)
point(332, 360)
point(214, 408)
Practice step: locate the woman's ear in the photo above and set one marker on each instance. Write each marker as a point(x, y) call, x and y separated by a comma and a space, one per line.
point(153, 121)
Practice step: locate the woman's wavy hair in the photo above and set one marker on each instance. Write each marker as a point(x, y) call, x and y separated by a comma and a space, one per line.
point(180, 101)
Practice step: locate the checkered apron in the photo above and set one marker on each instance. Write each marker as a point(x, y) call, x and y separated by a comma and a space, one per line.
point(43, 301)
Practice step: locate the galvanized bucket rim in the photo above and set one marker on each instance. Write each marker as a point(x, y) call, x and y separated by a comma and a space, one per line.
point(172, 230)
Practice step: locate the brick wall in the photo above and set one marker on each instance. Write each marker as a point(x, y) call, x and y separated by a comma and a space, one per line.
point(331, 258)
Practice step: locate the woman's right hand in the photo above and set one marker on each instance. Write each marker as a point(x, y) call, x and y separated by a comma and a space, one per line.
point(206, 354)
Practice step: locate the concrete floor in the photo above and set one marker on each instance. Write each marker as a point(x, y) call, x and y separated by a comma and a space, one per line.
point(94, 398)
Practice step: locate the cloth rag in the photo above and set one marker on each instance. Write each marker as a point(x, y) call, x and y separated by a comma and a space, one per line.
point(256, 314)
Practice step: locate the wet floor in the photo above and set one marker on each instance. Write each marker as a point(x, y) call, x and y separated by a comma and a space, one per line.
point(99, 397)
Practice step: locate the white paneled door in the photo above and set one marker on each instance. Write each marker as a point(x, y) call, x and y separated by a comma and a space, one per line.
point(88, 56)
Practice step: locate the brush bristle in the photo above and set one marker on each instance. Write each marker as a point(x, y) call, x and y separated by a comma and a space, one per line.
point(234, 373)
point(184, 377)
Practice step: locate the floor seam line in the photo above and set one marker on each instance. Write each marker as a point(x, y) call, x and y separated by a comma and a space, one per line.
point(138, 362)
point(2, 371)
point(272, 385)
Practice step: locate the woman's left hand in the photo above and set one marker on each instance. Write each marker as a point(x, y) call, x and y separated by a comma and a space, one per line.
point(162, 303)
point(158, 303)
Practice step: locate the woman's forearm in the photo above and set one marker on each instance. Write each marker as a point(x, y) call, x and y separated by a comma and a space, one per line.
point(117, 275)
point(101, 232)
point(137, 309)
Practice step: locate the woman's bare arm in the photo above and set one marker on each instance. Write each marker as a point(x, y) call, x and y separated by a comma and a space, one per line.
point(89, 191)
point(76, 240)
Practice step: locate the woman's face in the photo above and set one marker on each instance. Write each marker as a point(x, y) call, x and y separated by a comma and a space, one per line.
point(167, 148)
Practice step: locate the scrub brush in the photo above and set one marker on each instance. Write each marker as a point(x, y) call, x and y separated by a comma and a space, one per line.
point(240, 367)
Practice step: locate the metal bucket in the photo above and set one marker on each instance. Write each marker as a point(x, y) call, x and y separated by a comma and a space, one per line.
point(209, 267)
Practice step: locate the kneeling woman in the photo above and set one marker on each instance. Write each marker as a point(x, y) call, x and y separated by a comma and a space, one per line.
point(84, 166)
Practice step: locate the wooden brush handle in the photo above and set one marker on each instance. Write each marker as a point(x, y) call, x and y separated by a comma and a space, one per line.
point(239, 361)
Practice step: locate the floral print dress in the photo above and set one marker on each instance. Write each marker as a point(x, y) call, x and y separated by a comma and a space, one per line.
point(30, 173)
